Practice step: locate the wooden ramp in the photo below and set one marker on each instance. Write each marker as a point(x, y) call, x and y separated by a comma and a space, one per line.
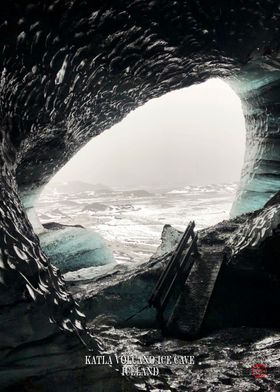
point(184, 289)
point(191, 306)
point(176, 272)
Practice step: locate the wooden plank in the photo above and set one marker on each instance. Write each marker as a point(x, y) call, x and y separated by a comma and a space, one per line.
point(166, 277)
point(183, 268)
point(192, 303)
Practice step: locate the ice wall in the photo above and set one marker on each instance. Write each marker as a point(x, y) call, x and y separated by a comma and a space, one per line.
point(258, 87)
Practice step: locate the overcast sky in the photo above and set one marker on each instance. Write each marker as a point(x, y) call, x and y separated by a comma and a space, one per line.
point(191, 136)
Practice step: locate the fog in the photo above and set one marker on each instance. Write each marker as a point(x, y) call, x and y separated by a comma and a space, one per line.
point(194, 135)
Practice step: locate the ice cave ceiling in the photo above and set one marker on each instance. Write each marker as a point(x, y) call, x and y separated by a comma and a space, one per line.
point(71, 69)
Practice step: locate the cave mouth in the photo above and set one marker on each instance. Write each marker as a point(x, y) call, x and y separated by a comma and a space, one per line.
point(176, 158)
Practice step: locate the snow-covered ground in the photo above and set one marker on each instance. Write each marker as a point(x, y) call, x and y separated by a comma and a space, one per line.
point(131, 220)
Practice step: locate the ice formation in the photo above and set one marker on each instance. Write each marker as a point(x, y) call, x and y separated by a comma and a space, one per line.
point(256, 230)
point(71, 248)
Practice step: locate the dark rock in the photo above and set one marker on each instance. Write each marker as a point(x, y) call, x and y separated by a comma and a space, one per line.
point(59, 226)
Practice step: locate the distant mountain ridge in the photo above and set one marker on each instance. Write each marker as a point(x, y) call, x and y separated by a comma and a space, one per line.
point(78, 186)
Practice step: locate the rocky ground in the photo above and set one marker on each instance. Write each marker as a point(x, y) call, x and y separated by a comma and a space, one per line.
point(223, 360)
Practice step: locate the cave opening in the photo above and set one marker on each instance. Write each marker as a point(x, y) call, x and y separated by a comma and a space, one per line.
point(176, 158)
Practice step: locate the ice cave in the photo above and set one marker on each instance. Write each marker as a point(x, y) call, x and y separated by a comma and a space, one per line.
point(72, 69)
